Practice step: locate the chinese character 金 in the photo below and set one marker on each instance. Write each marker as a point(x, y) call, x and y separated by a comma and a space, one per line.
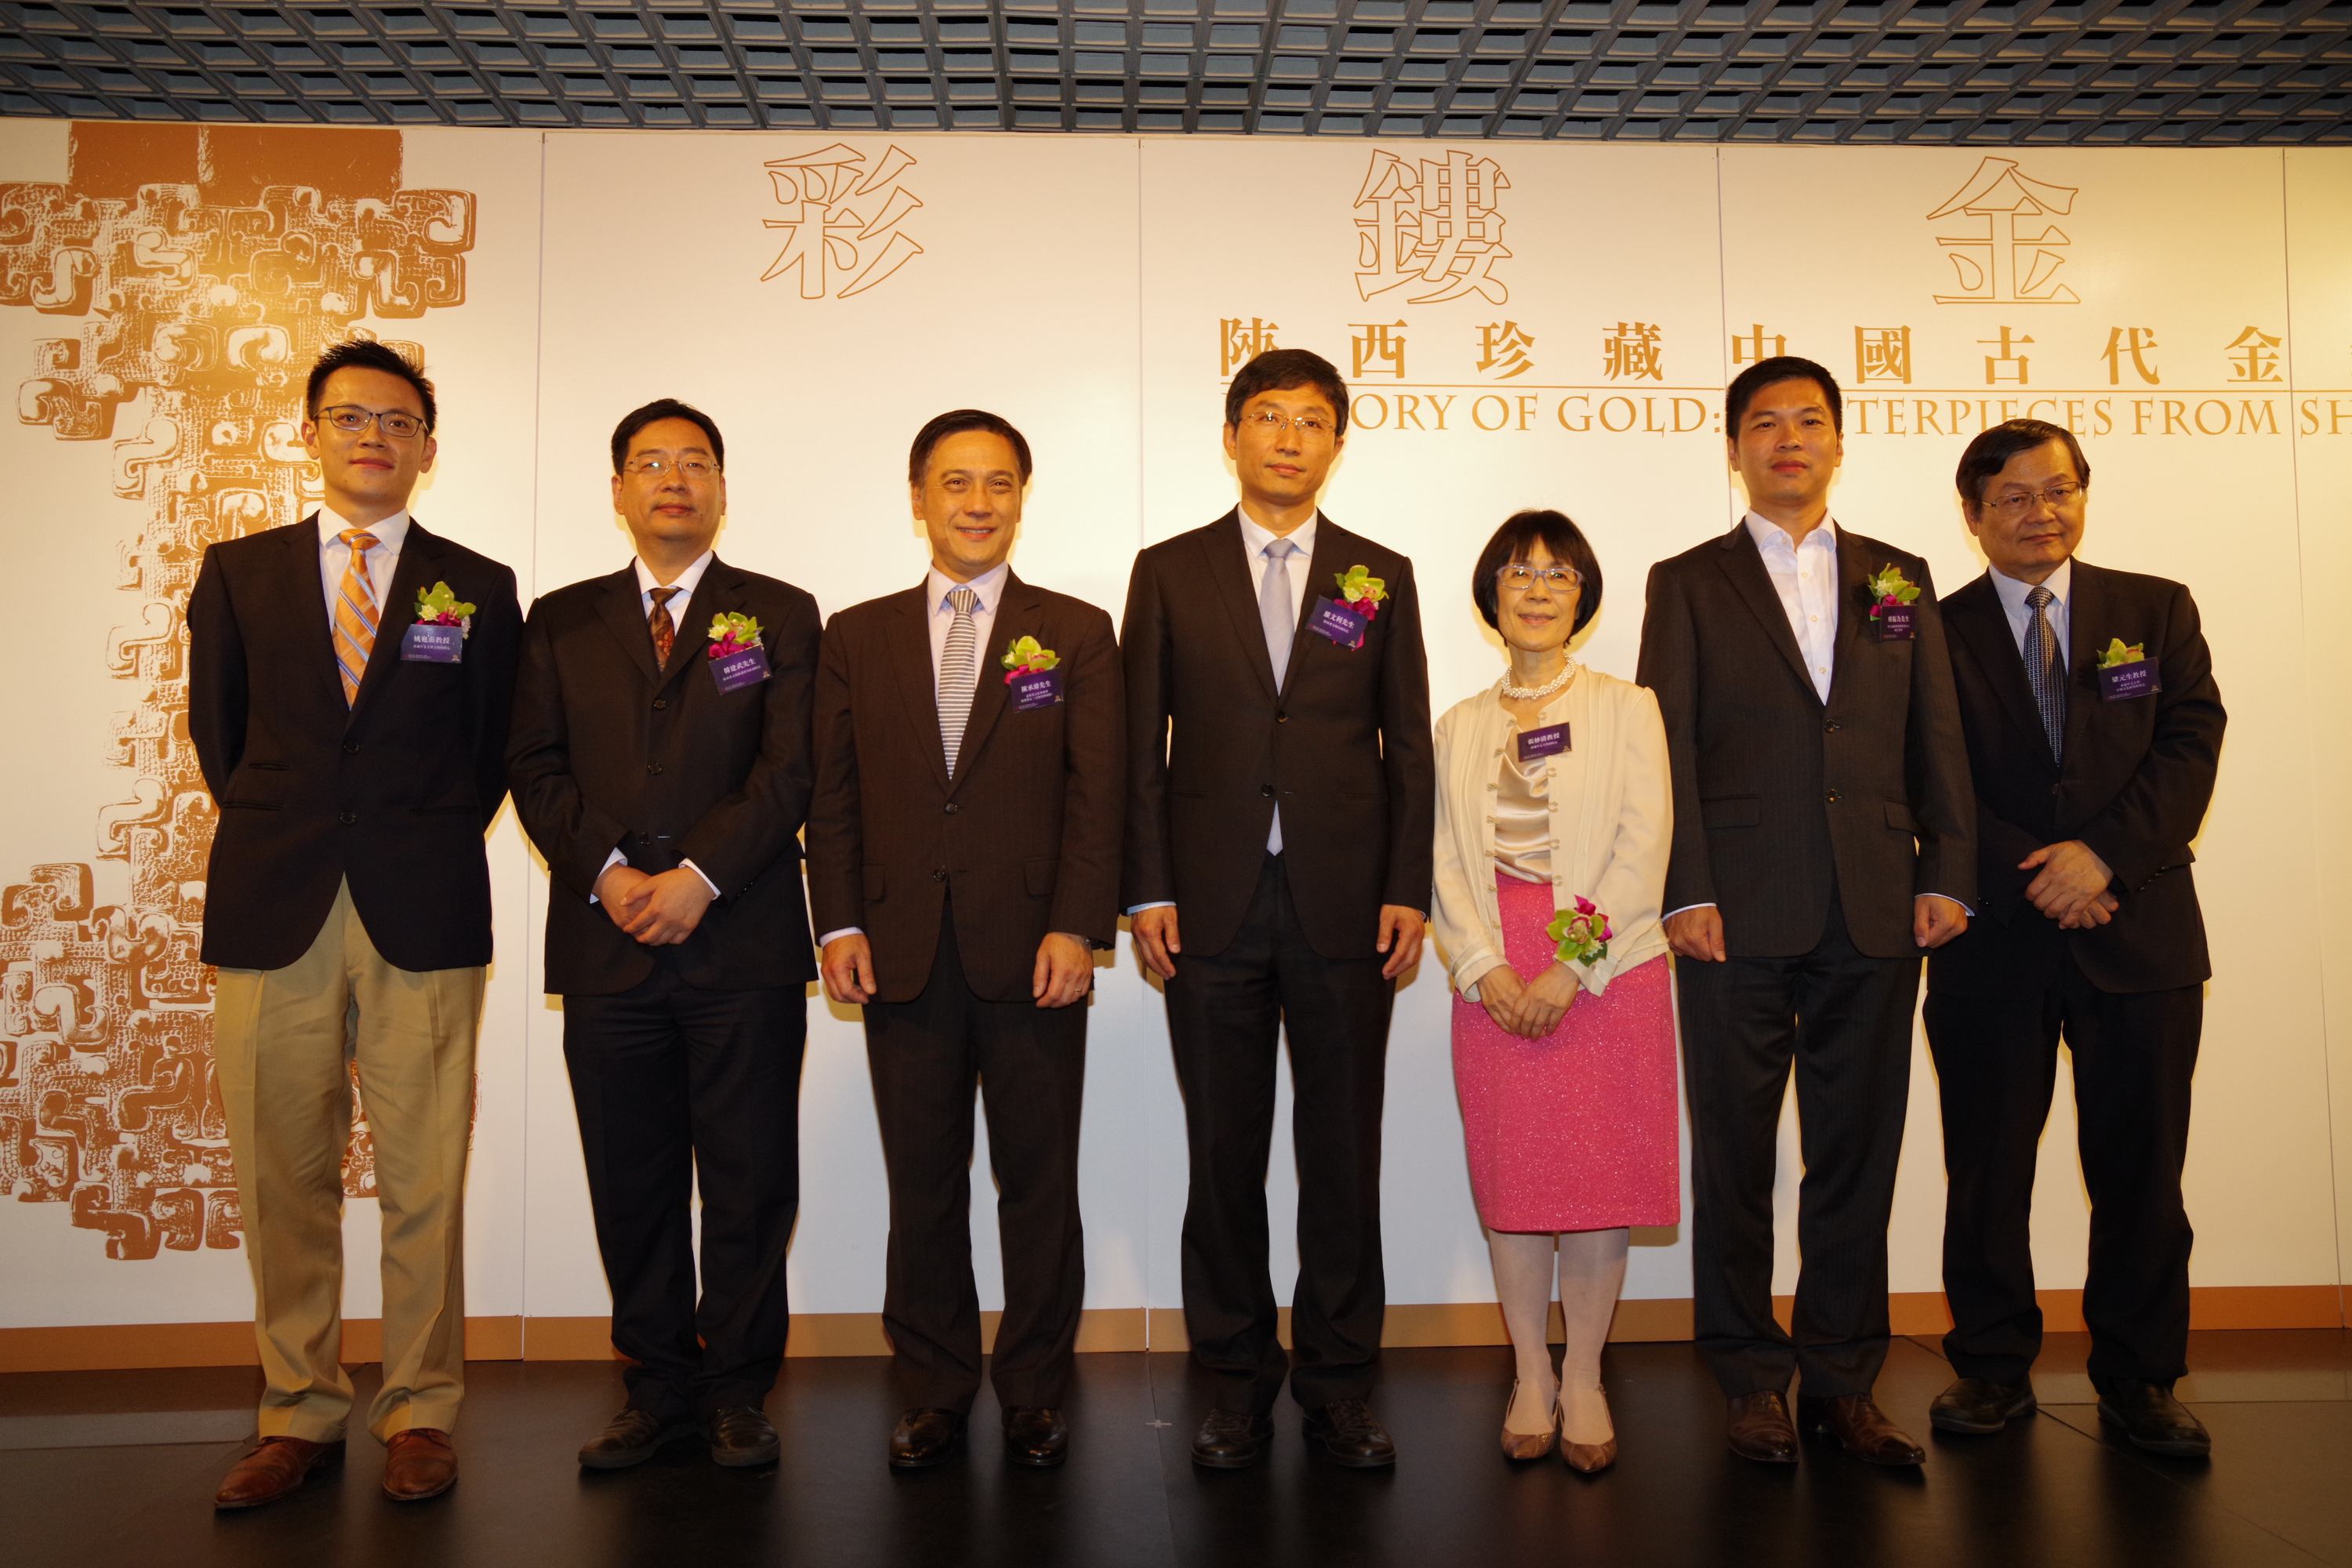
point(2013, 258)
point(1881, 354)
point(841, 234)
point(1632, 348)
point(1240, 342)
point(2133, 344)
point(2005, 363)
point(1430, 222)
point(1377, 345)
point(1503, 346)
point(1757, 345)
point(2255, 356)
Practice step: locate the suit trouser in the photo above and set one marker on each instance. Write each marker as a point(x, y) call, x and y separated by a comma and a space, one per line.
point(671, 1080)
point(1843, 1019)
point(1226, 1013)
point(1996, 1066)
point(1029, 1063)
point(284, 1041)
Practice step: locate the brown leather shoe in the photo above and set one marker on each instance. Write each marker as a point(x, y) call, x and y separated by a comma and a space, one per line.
point(272, 1468)
point(419, 1464)
point(1521, 1446)
point(1760, 1429)
point(1861, 1428)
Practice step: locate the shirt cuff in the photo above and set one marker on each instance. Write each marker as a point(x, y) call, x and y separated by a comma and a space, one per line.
point(614, 858)
point(1671, 913)
point(1955, 902)
point(829, 938)
point(699, 872)
point(1154, 904)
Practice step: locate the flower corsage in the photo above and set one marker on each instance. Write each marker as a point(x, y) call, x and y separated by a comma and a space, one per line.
point(2125, 671)
point(444, 622)
point(1345, 618)
point(738, 656)
point(1034, 672)
point(1582, 933)
point(1891, 595)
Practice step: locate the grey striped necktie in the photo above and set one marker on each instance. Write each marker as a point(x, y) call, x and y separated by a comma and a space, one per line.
point(958, 670)
point(2045, 672)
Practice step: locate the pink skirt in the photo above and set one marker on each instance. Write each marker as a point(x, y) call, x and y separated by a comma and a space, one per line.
point(1576, 1131)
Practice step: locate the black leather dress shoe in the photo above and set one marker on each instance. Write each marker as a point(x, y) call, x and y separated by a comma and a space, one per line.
point(1760, 1429)
point(1232, 1440)
point(1861, 1428)
point(741, 1436)
point(1978, 1407)
point(923, 1438)
point(1346, 1433)
point(629, 1439)
point(1035, 1434)
point(2154, 1420)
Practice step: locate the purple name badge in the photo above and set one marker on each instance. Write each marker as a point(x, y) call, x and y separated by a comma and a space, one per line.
point(1338, 622)
point(734, 671)
point(1039, 688)
point(2122, 682)
point(434, 644)
point(1893, 623)
point(1547, 742)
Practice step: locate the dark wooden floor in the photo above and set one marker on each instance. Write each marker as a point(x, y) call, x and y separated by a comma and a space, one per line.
point(118, 1468)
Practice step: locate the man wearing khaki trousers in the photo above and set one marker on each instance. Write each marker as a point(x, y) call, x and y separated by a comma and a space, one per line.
point(349, 678)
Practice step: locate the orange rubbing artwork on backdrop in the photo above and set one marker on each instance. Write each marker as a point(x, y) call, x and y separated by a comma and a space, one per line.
point(211, 265)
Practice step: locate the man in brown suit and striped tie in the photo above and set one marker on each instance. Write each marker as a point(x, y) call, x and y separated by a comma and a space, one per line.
point(348, 683)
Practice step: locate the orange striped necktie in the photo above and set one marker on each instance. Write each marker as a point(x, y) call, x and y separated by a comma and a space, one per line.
point(356, 614)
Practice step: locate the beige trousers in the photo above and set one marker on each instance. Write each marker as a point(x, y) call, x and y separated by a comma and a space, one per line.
point(282, 1040)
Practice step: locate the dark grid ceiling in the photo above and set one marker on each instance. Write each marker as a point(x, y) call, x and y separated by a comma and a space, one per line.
point(2091, 72)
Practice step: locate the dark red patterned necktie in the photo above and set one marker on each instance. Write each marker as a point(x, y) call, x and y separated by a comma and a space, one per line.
point(664, 630)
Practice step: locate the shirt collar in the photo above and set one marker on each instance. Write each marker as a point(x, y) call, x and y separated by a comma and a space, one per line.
point(938, 586)
point(2012, 593)
point(390, 533)
point(686, 581)
point(1771, 535)
point(1257, 536)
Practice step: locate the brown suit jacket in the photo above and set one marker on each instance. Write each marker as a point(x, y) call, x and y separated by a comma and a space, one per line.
point(1025, 839)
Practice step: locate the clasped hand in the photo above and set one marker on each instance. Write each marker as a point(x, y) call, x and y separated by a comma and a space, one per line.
point(1530, 1008)
point(659, 911)
point(2070, 885)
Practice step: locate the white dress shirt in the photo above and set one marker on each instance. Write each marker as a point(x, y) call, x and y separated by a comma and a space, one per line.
point(685, 582)
point(2012, 593)
point(937, 586)
point(334, 555)
point(1805, 575)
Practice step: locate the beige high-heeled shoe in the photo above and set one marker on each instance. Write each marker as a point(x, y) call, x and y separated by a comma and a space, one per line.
point(1524, 1446)
point(1585, 1458)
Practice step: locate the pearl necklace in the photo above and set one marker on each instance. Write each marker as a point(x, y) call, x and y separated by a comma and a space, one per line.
point(1531, 693)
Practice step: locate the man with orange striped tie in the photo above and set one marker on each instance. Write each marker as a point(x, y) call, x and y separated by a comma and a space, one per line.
point(349, 682)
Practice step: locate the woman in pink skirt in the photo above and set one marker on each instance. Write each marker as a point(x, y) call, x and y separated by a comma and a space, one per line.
point(1553, 820)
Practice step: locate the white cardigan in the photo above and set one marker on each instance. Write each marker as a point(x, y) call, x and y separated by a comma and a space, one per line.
point(1612, 824)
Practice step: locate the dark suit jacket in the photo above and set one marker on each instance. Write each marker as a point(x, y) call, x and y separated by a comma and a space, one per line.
point(610, 753)
point(1780, 800)
point(1344, 745)
point(1026, 834)
point(2139, 775)
point(392, 792)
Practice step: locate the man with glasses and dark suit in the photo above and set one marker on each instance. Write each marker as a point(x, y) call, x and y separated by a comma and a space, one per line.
point(661, 764)
point(349, 679)
point(2094, 732)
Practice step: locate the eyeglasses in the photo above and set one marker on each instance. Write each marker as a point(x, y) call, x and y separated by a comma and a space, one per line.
point(657, 468)
point(2009, 509)
point(1265, 422)
point(1518, 576)
point(351, 418)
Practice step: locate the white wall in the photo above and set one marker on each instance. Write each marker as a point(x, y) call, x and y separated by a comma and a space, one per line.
point(1077, 286)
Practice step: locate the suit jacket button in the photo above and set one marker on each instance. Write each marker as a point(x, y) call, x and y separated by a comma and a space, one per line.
point(1267, 791)
point(1282, 717)
point(1833, 798)
point(350, 748)
point(347, 819)
point(654, 768)
point(1832, 727)
point(940, 875)
point(951, 808)
point(661, 701)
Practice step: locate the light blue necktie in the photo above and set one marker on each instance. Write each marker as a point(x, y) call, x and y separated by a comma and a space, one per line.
point(1277, 614)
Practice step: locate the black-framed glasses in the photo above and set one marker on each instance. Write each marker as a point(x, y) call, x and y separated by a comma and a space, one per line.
point(1518, 576)
point(656, 467)
point(351, 418)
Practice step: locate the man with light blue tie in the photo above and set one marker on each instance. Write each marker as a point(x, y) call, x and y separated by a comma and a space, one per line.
point(964, 863)
point(1281, 805)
